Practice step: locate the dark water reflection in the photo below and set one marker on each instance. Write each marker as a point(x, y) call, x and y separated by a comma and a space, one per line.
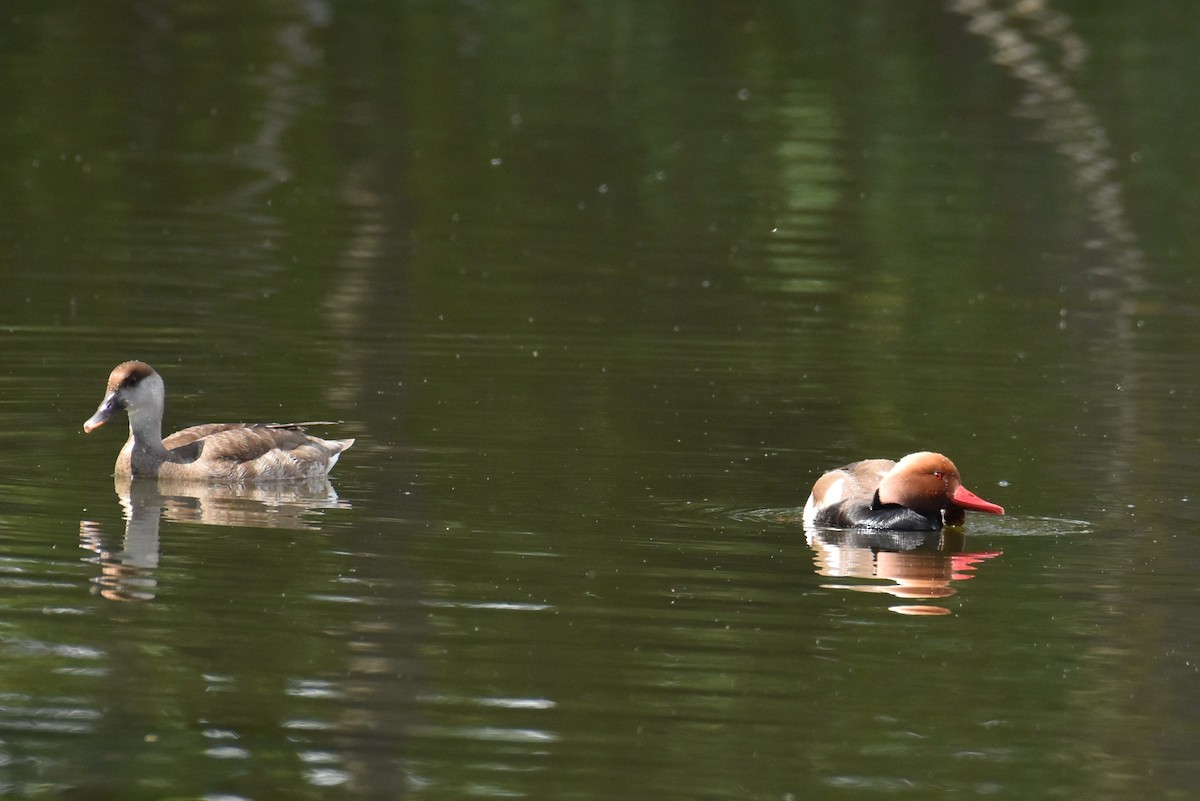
point(128, 569)
point(587, 282)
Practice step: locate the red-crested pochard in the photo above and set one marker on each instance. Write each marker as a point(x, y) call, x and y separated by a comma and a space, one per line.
point(921, 492)
point(227, 452)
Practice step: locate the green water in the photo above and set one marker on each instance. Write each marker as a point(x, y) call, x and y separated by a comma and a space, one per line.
point(600, 289)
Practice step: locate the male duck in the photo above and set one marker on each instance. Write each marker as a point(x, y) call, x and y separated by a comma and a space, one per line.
point(231, 452)
point(921, 492)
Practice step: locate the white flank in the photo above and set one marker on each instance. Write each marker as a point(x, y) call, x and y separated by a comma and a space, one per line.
point(832, 495)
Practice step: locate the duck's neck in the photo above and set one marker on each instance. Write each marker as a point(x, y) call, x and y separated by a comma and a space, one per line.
point(145, 429)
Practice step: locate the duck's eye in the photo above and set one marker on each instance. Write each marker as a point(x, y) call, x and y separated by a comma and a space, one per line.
point(937, 474)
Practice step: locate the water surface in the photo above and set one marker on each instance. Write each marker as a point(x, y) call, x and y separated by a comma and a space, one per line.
point(600, 289)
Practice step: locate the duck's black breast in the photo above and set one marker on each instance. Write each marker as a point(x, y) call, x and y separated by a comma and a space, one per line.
point(893, 516)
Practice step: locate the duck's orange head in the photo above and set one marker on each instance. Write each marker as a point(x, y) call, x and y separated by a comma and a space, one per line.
point(928, 483)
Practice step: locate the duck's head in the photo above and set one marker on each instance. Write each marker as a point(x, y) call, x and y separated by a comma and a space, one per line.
point(929, 483)
point(133, 386)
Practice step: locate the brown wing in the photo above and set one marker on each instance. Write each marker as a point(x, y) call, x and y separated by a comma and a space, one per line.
point(866, 475)
point(249, 452)
point(188, 435)
point(243, 443)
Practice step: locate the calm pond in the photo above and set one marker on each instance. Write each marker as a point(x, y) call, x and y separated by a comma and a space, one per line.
point(600, 289)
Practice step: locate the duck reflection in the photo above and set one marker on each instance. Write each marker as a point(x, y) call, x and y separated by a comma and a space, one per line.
point(917, 565)
point(127, 573)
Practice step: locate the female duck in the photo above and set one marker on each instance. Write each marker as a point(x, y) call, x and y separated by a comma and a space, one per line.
point(921, 492)
point(230, 452)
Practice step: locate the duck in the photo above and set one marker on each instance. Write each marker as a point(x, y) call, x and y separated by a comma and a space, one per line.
point(217, 452)
point(921, 492)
